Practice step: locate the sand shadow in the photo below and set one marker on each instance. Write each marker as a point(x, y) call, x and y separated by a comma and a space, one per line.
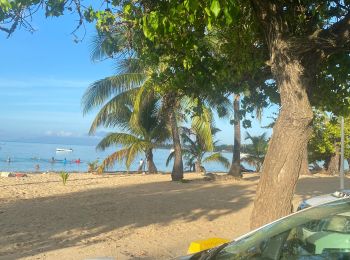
point(83, 217)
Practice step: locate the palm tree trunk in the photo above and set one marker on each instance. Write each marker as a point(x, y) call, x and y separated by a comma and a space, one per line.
point(197, 166)
point(177, 172)
point(170, 104)
point(235, 169)
point(150, 163)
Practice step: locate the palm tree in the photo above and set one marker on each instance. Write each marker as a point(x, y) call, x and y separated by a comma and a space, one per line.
point(256, 150)
point(196, 145)
point(145, 131)
point(235, 169)
point(133, 74)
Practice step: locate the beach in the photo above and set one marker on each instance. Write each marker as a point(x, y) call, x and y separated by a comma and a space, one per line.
point(127, 216)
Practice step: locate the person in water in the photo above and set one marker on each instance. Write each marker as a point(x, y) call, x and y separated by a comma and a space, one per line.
point(64, 161)
point(8, 159)
point(52, 160)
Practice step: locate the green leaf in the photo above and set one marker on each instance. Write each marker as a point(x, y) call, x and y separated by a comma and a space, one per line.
point(191, 5)
point(127, 9)
point(228, 17)
point(215, 7)
point(5, 5)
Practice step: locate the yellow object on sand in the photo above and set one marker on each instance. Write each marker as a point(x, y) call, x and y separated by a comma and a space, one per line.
point(200, 245)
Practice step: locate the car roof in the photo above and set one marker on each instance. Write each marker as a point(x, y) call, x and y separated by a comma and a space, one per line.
point(317, 200)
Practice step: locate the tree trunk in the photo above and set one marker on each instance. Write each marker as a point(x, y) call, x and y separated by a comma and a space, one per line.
point(197, 166)
point(348, 160)
point(177, 172)
point(170, 104)
point(150, 163)
point(235, 169)
point(292, 131)
point(304, 170)
point(333, 165)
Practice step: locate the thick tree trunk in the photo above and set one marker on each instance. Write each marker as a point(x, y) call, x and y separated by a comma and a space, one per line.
point(287, 147)
point(177, 172)
point(235, 169)
point(150, 163)
point(304, 170)
point(333, 165)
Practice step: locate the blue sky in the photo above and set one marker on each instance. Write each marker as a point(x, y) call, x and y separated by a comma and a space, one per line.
point(43, 77)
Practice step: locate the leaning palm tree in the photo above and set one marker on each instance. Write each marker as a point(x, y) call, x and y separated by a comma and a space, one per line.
point(256, 150)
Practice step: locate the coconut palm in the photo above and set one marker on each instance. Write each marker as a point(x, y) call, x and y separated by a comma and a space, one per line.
point(145, 131)
point(256, 150)
point(196, 147)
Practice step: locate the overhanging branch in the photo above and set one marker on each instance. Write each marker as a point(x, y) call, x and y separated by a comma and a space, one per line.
point(334, 38)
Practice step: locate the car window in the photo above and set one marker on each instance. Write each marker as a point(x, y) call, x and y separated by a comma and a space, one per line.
point(316, 233)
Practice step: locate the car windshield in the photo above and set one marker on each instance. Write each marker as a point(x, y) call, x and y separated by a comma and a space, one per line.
point(321, 232)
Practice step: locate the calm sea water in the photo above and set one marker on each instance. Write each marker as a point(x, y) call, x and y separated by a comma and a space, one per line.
point(26, 156)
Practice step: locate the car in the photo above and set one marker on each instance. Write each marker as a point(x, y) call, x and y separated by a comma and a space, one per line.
point(315, 232)
point(317, 200)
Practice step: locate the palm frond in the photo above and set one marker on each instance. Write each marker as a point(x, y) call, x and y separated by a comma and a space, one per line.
point(129, 65)
point(202, 125)
point(120, 138)
point(218, 158)
point(100, 91)
point(115, 112)
point(170, 158)
point(132, 152)
point(118, 156)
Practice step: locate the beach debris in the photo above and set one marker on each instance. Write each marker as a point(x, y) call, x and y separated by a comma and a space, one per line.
point(6, 174)
point(20, 175)
point(64, 177)
point(11, 174)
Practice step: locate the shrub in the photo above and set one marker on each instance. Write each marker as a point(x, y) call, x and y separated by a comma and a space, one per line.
point(64, 177)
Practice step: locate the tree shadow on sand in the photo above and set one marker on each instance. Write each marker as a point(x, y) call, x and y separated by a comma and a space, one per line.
point(58, 222)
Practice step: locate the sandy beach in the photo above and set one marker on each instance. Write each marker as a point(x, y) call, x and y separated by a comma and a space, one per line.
point(126, 216)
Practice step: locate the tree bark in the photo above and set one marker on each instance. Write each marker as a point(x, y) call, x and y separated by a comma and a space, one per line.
point(333, 165)
point(304, 170)
point(198, 167)
point(170, 104)
point(292, 131)
point(177, 172)
point(235, 169)
point(150, 163)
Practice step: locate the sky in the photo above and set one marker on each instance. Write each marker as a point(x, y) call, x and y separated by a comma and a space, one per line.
point(43, 77)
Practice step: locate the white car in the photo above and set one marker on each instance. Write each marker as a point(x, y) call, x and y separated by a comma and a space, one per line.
point(317, 200)
point(317, 232)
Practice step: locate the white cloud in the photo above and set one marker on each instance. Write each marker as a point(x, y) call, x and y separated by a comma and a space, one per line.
point(59, 133)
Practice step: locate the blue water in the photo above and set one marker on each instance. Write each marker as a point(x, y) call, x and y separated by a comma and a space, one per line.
point(26, 156)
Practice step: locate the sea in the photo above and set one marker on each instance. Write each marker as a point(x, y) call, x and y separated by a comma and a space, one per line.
point(37, 157)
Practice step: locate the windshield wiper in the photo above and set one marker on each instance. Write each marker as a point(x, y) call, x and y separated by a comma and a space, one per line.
point(210, 254)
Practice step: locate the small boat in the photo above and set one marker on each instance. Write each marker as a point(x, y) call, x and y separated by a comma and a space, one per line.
point(64, 150)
